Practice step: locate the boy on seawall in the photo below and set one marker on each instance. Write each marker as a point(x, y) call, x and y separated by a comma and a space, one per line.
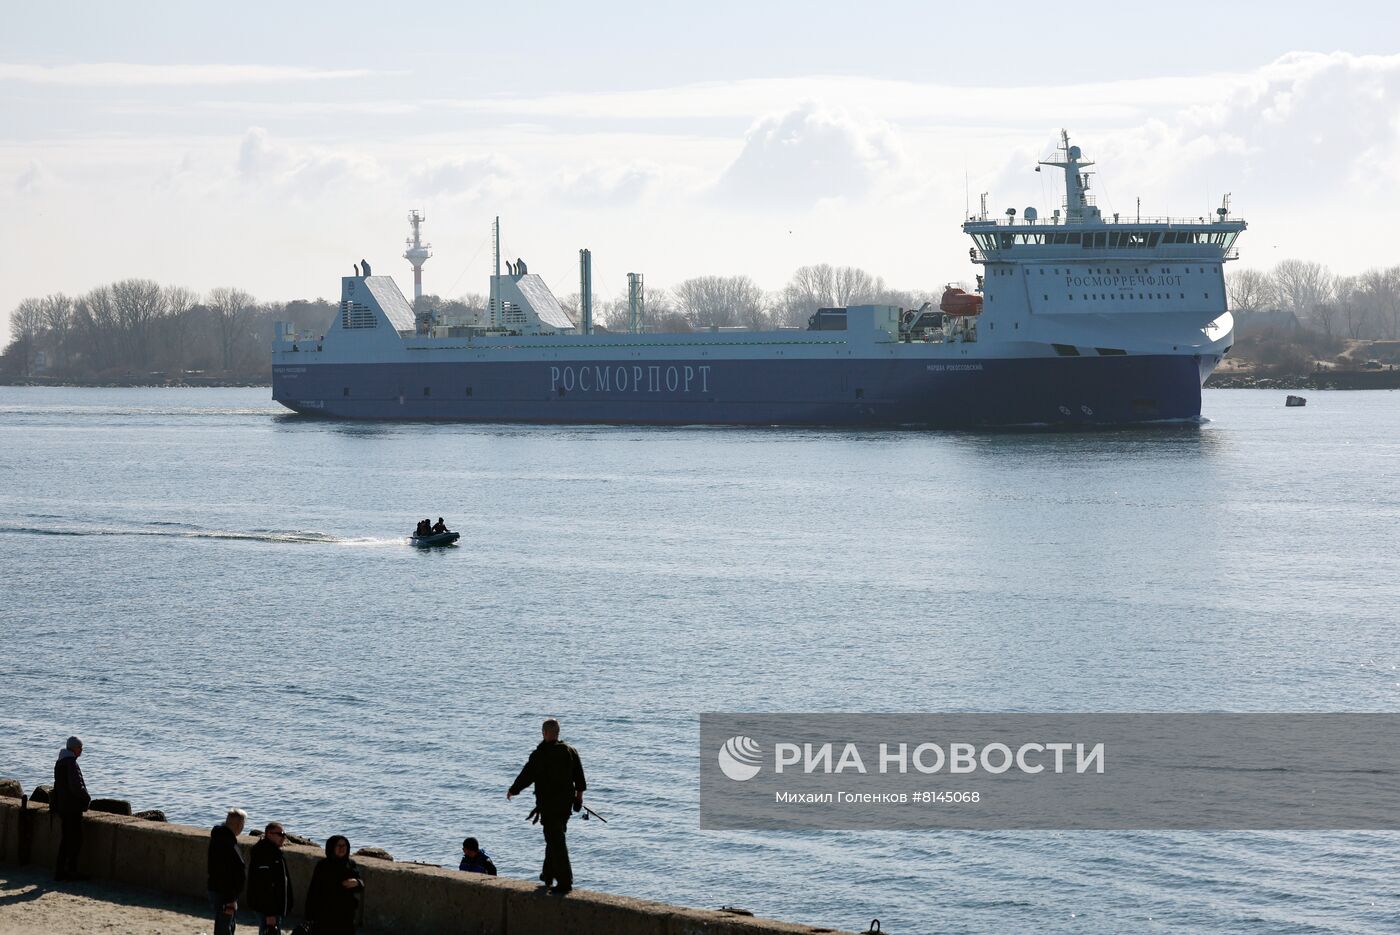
point(475, 860)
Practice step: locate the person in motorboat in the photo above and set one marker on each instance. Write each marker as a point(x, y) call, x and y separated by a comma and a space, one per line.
point(439, 527)
point(424, 529)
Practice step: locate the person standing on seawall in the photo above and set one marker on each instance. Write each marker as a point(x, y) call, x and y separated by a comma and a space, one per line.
point(269, 883)
point(556, 772)
point(334, 894)
point(70, 799)
point(226, 870)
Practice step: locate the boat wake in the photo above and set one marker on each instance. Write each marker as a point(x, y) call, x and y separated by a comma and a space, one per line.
point(187, 531)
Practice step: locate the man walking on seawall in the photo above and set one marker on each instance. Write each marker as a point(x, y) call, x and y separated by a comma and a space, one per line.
point(70, 800)
point(557, 775)
point(226, 869)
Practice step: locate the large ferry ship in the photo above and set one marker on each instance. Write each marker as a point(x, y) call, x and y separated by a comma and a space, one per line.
point(1076, 319)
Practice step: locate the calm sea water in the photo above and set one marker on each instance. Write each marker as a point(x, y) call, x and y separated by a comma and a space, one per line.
point(219, 599)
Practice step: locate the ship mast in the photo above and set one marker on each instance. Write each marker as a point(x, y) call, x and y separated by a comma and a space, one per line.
point(1079, 205)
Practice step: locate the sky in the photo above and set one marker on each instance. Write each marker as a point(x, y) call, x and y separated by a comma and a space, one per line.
point(269, 146)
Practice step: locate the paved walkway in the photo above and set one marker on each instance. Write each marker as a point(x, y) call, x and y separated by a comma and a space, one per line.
point(32, 904)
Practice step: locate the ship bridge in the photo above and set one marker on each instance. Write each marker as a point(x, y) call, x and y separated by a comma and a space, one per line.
point(1030, 239)
point(1078, 230)
point(1116, 285)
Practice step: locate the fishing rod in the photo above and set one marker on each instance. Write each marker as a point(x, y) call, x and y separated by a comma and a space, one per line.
point(534, 815)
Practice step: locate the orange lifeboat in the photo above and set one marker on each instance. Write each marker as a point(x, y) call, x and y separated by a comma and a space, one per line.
point(960, 304)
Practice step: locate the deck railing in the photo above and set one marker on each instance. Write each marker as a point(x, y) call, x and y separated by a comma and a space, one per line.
point(1108, 221)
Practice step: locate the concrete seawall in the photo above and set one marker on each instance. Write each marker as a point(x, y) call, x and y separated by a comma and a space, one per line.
point(399, 897)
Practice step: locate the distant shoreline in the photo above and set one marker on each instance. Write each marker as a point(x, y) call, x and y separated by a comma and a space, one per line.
point(1320, 380)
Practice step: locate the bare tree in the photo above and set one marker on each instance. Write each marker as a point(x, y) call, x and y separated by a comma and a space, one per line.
point(1353, 304)
point(138, 303)
point(825, 286)
point(1382, 289)
point(1305, 288)
point(95, 317)
point(26, 324)
point(231, 309)
point(176, 326)
point(659, 314)
point(58, 325)
point(1250, 290)
point(725, 301)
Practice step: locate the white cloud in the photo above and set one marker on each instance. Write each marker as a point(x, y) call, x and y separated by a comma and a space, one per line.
point(809, 154)
point(467, 179)
point(131, 74)
point(1307, 130)
point(301, 171)
point(607, 183)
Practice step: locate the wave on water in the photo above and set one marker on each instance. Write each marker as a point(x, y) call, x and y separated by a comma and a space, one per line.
point(187, 531)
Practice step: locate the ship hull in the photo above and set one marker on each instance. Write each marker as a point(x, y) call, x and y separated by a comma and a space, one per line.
point(1084, 390)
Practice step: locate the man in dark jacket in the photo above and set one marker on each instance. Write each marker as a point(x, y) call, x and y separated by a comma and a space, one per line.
point(557, 775)
point(226, 869)
point(269, 884)
point(70, 799)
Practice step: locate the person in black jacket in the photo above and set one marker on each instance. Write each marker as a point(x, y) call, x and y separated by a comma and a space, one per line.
point(269, 883)
point(226, 869)
point(333, 897)
point(69, 800)
point(557, 775)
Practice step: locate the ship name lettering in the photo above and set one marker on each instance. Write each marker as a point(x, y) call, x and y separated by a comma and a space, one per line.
point(1124, 282)
point(604, 379)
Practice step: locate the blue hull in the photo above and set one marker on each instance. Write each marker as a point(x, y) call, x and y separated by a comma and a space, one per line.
point(846, 392)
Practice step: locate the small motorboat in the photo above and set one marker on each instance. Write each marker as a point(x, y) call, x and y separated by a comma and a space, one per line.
point(436, 539)
point(1293, 402)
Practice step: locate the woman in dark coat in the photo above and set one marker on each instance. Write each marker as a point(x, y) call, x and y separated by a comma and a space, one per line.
point(333, 898)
